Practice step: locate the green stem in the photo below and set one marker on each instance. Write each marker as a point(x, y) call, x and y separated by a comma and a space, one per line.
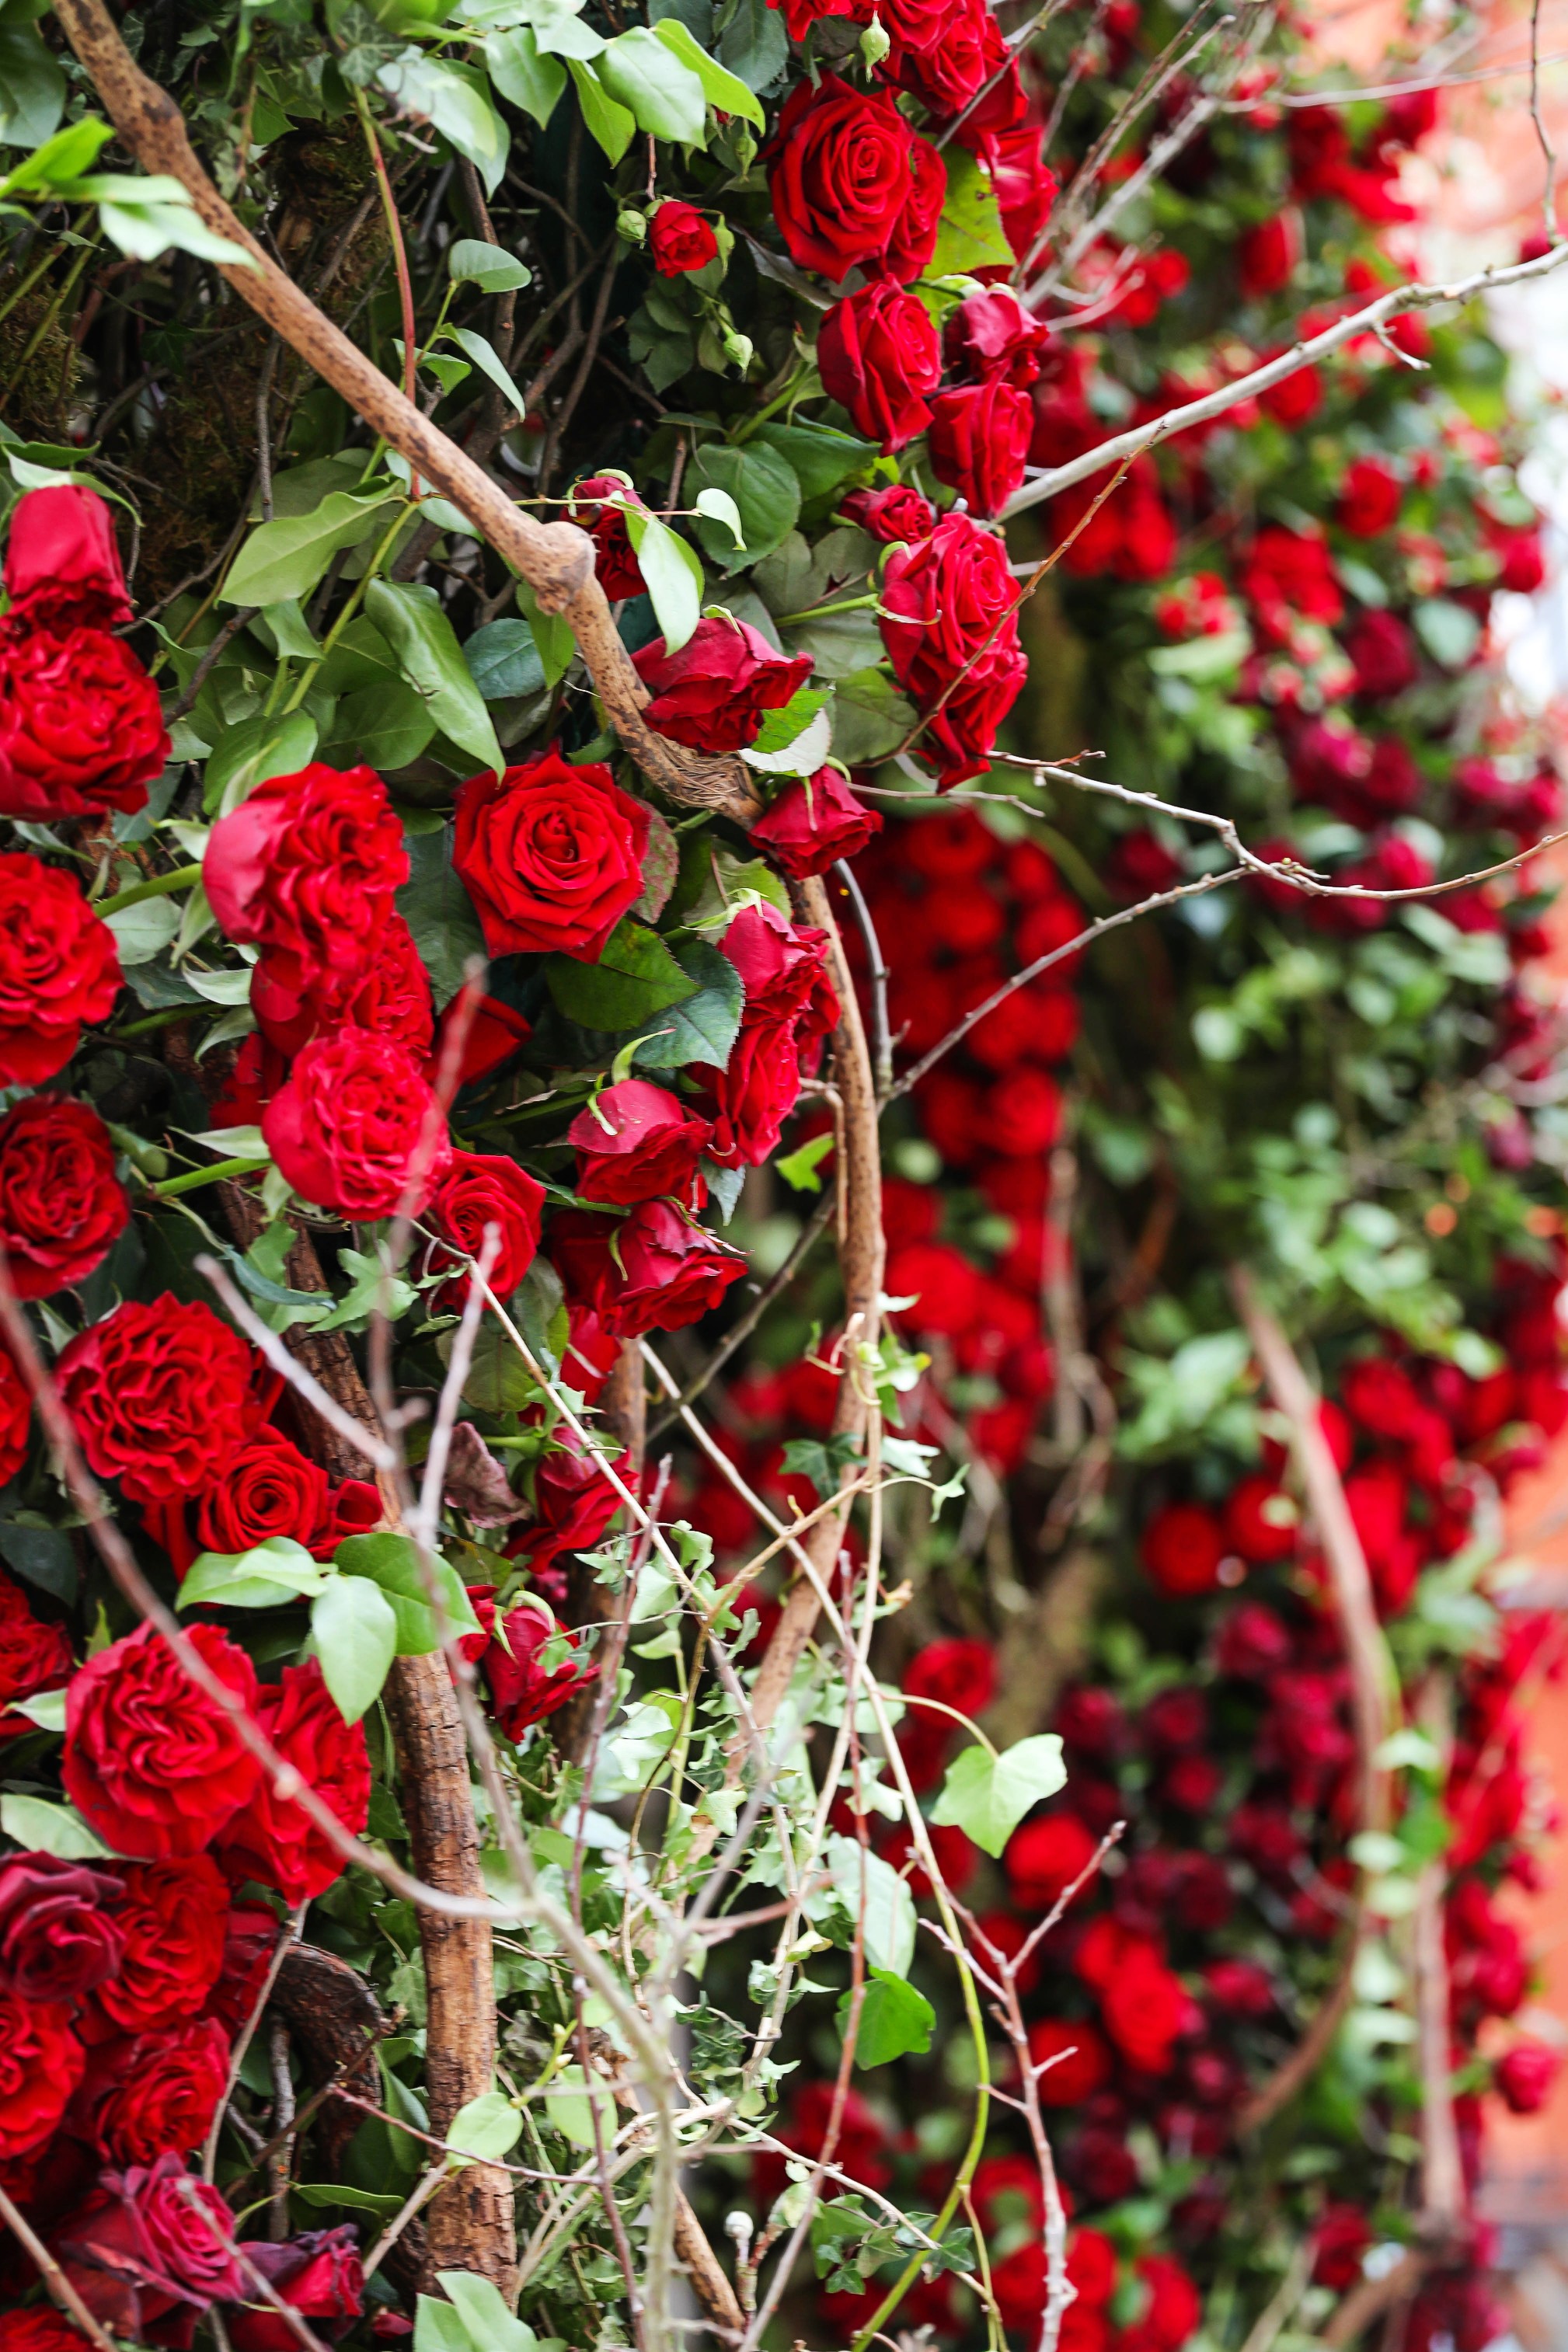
point(149, 1022)
point(67, 289)
point(821, 612)
point(38, 269)
point(158, 887)
point(216, 1174)
point(308, 676)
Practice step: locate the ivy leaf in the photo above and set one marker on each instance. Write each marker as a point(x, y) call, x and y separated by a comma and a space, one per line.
point(823, 1459)
point(986, 1795)
point(353, 1627)
point(799, 1169)
point(430, 658)
point(889, 1907)
point(636, 977)
point(522, 72)
point(473, 262)
point(896, 2020)
point(647, 75)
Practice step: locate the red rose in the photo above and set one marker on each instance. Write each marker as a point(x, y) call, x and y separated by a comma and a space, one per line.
point(173, 1917)
point(483, 1189)
point(1082, 2063)
point(318, 2274)
point(389, 994)
point(841, 170)
point(1269, 256)
point(949, 626)
point(151, 2245)
point(1024, 184)
point(950, 73)
point(550, 856)
point(1524, 2076)
point(1182, 1548)
point(62, 566)
point(41, 2063)
point(150, 1762)
point(58, 967)
point(679, 239)
point(159, 1395)
point(1340, 2240)
point(41, 2329)
point(1241, 1986)
point(1369, 500)
point(980, 442)
point(274, 1841)
point(891, 514)
point(750, 1098)
point(636, 1141)
point(813, 822)
point(522, 1689)
point(80, 727)
point(991, 335)
point(913, 241)
point(714, 693)
point(1261, 1522)
point(1382, 653)
point(357, 1127)
point(1141, 2002)
point(159, 2092)
point(33, 1657)
point(878, 356)
point(1291, 573)
point(269, 1488)
point(671, 1272)
point(58, 1938)
point(1044, 1857)
point(961, 1673)
point(61, 1206)
point(599, 505)
point(574, 1499)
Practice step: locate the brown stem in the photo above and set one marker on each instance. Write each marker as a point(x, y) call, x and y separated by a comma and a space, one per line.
point(1370, 2299)
point(623, 1409)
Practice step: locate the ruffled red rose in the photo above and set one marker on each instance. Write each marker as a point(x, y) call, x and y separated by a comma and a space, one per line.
point(80, 727)
point(41, 2063)
point(389, 994)
point(1267, 256)
point(891, 514)
point(1382, 653)
point(949, 626)
point(319, 2274)
point(483, 1189)
point(269, 1488)
point(598, 505)
point(664, 1271)
point(357, 1127)
point(913, 241)
point(1183, 1547)
point(1141, 2002)
point(980, 442)
point(1044, 1857)
point(59, 1937)
point(58, 968)
point(173, 1917)
point(33, 1657)
point(161, 1395)
point(716, 691)
point(151, 1762)
point(1369, 500)
point(152, 2246)
point(551, 857)
point(273, 1840)
point(62, 566)
point(680, 239)
point(878, 357)
point(62, 1208)
point(813, 822)
point(524, 1689)
point(1080, 2061)
point(637, 1141)
point(990, 334)
point(158, 2092)
point(750, 1097)
point(573, 1500)
point(841, 170)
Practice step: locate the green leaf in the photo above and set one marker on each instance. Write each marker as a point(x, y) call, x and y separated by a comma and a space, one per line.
point(765, 494)
point(1448, 630)
point(860, 1878)
point(455, 104)
point(392, 1562)
point(265, 1576)
point(60, 159)
point(799, 1169)
point(146, 225)
point(44, 1556)
point(438, 2327)
point(287, 557)
point(551, 634)
point(635, 976)
point(646, 74)
point(384, 726)
point(428, 655)
point(488, 361)
point(40, 1827)
point(478, 2303)
point(292, 631)
point(249, 753)
point(823, 460)
point(45, 1709)
point(337, 2192)
point(473, 262)
point(440, 914)
point(671, 571)
point(802, 754)
point(896, 2020)
point(720, 508)
point(754, 46)
point(561, 31)
point(723, 90)
point(32, 88)
point(485, 2128)
point(503, 660)
point(355, 1629)
point(499, 1382)
point(523, 73)
point(970, 234)
point(609, 124)
point(987, 1796)
point(144, 931)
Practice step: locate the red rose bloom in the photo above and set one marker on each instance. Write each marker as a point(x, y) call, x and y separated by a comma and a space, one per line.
point(574, 1501)
point(1182, 1550)
point(174, 1917)
point(782, 967)
point(62, 566)
point(550, 856)
point(61, 1207)
point(33, 1657)
point(980, 441)
point(671, 1272)
point(1044, 1857)
point(494, 1032)
point(483, 1189)
point(1291, 573)
point(41, 2329)
point(1368, 499)
point(990, 334)
point(58, 1938)
point(950, 629)
point(1261, 1522)
point(598, 505)
point(1173, 2311)
point(878, 356)
point(636, 1141)
point(1340, 2240)
point(841, 170)
point(275, 1841)
point(41, 2063)
point(151, 2247)
point(58, 968)
point(1269, 256)
point(1082, 2063)
point(1524, 2076)
point(390, 994)
point(679, 239)
point(893, 514)
point(80, 727)
point(714, 693)
point(357, 1127)
point(522, 1690)
point(158, 2092)
point(269, 1488)
point(150, 1762)
point(961, 1673)
point(1141, 2002)
point(159, 1395)
point(318, 2274)
point(750, 1097)
point(1382, 654)
point(813, 822)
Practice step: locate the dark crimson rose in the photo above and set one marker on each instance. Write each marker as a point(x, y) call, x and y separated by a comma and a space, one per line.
point(750, 1097)
point(636, 1141)
point(62, 566)
point(1140, 866)
point(913, 241)
point(1241, 1987)
point(980, 442)
point(1080, 2061)
point(951, 73)
point(878, 356)
point(1172, 2311)
point(891, 514)
point(493, 1033)
point(1524, 2076)
point(269, 1488)
point(991, 335)
point(41, 2329)
point(389, 994)
point(173, 1917)
point(151, 2246)
point(574, 1499)
point(58, 1939)
point(159, 1395)
point(357, 1127)
point(318, 2274)
point(678, 238)
point(1044, 1857)
point(671, 1272)
point(58, 967)
point(274, 1841)
point(1291, 573)
point(1368, 499)
point(1340, 2240)
point(841, 170)
point(551, 857)
point(159, 2092)
point(150, 1762)
point(62, 1208)
point(715, 692)
point(1269, 256)
point(1261, 1522)
point(41, 2063)
point(814, 820)
point(1382, 653)
point(483, 1189)
point(33, 1657)
point(81, 732)
point(524, 1689)
point(949, 626)
point(1183, 1547)
point(599, 506)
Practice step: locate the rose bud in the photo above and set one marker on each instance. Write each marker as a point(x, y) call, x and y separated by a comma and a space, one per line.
point(680, 239)
point(356, 1128)
point(980, 442)
point(1524, 2076)
point(81, 729)
point(991, 335)
point(574, 1499)
point(636, 1141)
point(552, 855)
point(671, 1272)
point(895, 515)
point(713, 694)
point(814, 820)
point(522, 1690)
point(615, 559)
point(62, 566)
point(878, 356)
point(62, 1208)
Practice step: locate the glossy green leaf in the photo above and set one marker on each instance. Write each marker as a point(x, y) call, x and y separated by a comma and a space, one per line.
point(490, 2325)
point(430, 658)
point(392, 1562)
point(765, 494)
point(384, 726)
point(721, 89)
point(634, 978)
point(60, 159)
point(503, 660)
point(472, 261)
point(870, 1890)
point(32, 88)
point(483, 354)
point(454, 103)
point(485, 2129)
point(672, 572)
point(287, 557)
point(355, 1628)
point(43, 1828)
point(265, 1577)
point(970, 234)
point(524, 73)
point(896, 2020)
point(648, 76)
point(440, 914)
point(246, 755)
point(609, 124)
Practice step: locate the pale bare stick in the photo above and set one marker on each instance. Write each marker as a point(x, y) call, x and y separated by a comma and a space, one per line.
point(289, 1933)
point(1549, 152)
point(59, 2285)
